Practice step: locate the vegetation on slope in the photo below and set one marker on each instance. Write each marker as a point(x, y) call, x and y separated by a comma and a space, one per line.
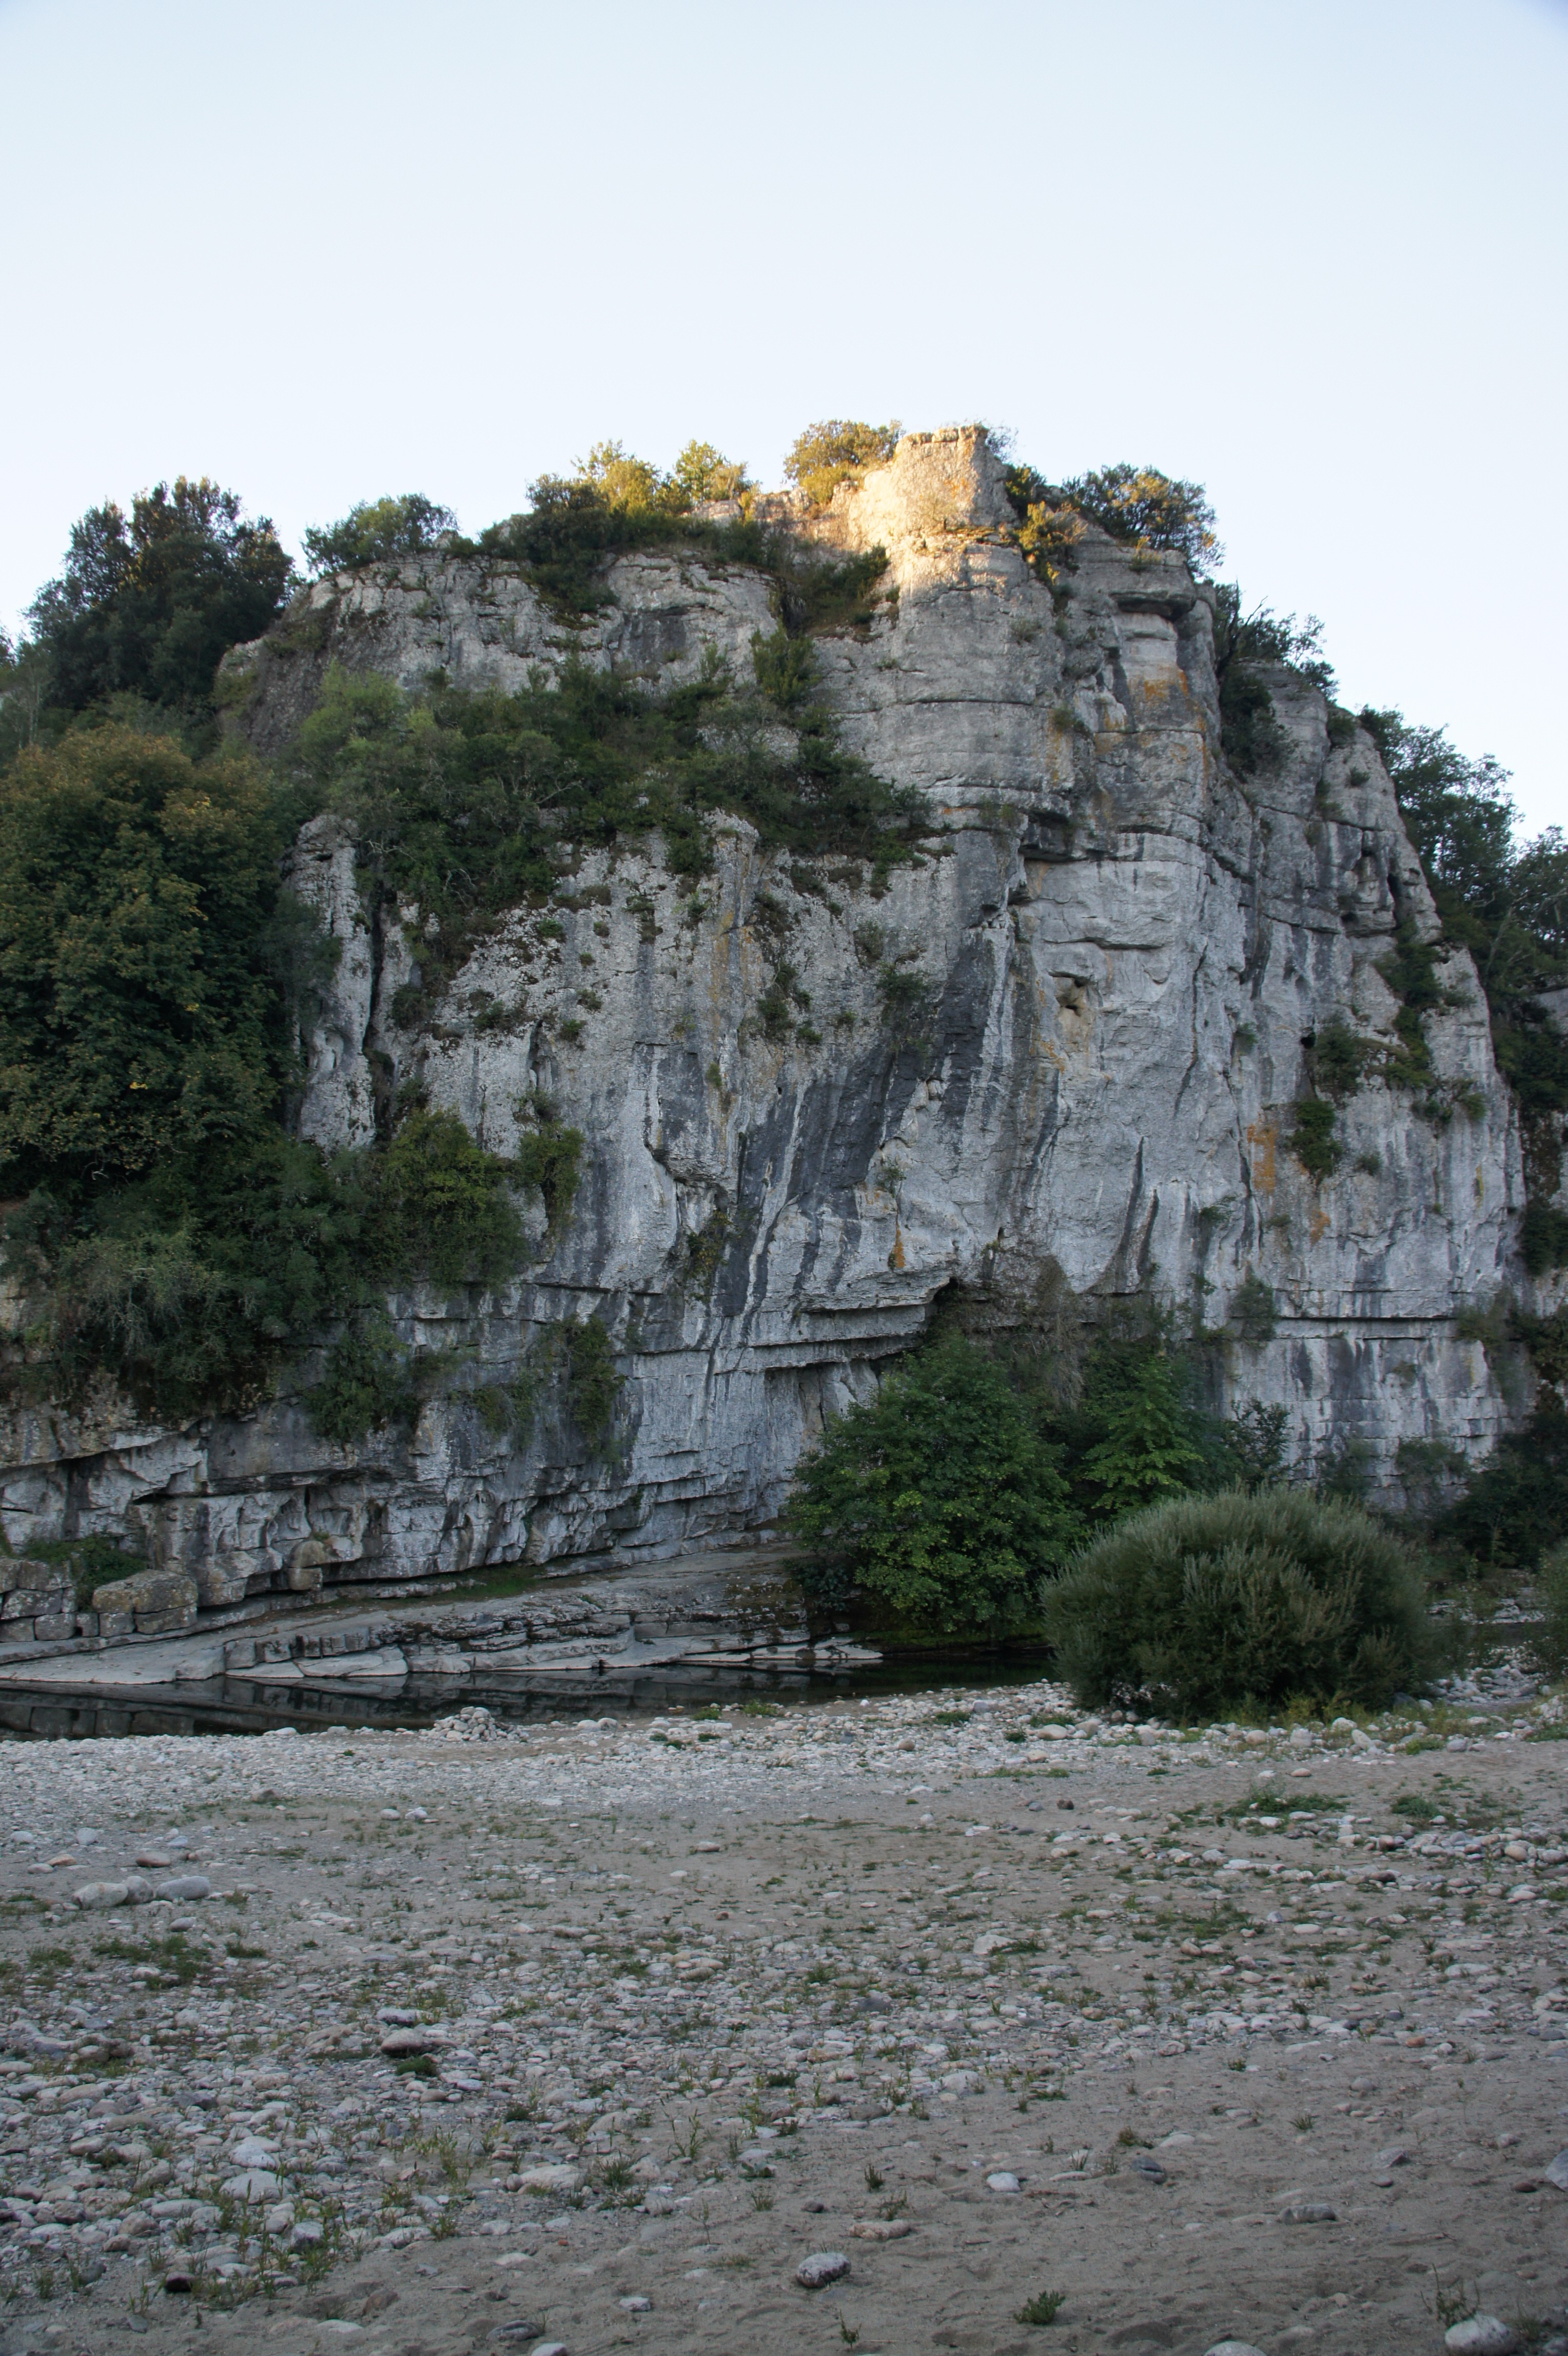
point(173, 1234)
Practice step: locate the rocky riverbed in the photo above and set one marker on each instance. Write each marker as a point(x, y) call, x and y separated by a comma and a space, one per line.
point(592, 2034)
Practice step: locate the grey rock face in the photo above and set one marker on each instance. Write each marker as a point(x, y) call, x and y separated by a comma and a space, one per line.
point(1116, 950)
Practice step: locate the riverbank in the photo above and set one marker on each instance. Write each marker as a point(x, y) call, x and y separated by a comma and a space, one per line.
point(489, 2036)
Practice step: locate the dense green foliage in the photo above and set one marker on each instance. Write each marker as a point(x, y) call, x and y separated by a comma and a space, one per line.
point(1146, 1449)
point(935, 1500)
point(378, 531)
point(1151, 509)
point(1204, 1606)
point(143, 946)
point(1516, 1506)
point(836, 450)
point(614, 505)
point(193, 1283)
point(443, 1208)
point(1313, 1140)
point(460, 799)
point(1247, 646)
point(1506, 901)
point(148, 604)
point(976, 1470)
point(1139, 505)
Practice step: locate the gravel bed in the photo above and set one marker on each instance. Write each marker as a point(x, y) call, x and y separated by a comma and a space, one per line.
point(602, 2034)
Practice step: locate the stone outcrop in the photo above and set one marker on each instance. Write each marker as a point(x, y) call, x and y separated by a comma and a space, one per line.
point(38, 1600)
point(1061, 1050)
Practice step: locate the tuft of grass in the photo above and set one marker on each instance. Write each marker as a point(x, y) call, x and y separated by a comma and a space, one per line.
point(1042, 2309)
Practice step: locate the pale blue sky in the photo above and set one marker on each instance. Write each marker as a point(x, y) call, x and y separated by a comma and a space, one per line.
point(1311, 255)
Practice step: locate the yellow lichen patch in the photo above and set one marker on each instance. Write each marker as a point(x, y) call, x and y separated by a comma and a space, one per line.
point(1264, 1138)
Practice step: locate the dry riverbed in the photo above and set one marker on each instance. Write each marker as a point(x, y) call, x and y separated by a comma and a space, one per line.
point(591, 2034)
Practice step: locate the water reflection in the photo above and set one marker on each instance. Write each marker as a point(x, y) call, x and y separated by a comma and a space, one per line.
point(237, 1704)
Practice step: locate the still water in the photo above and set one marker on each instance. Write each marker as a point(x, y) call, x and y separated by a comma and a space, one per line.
point(237, 1704)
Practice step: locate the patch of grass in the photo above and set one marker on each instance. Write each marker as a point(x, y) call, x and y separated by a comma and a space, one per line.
point(1042, 2309)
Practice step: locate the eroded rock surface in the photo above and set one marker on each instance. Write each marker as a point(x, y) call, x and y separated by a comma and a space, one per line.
point(1113, 955)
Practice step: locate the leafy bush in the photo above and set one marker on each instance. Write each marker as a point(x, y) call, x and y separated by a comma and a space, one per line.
point(366, 1385)
point(459, 799)
point(1204, 1606)
point(442, 1208)
point(147, 605)
point(143, 1010)
point(191, 1283)
point(836, 450)
point(1551, 1641)
point(1506, 901)
point(937, 1501)
point(1516, 1506)
point(1152, 509)
point(1313, 1141)
point(1339, 1058)
point(550, 1157)
point(701, 473)
point(378, 531)
point(592, 1382)
point(1245, 647)
point(1253, 1314)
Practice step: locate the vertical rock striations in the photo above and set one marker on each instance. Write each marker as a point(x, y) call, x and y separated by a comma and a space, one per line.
point(1068, 1042)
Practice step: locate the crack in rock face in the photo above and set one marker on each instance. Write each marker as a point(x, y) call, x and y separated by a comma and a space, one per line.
point(1062, 1044)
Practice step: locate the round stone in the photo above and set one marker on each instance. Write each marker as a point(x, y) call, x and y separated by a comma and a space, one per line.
point(823, 2267)
point(1480, 2335)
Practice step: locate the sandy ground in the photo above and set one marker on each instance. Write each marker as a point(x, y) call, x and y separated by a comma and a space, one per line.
point(1230, 2035)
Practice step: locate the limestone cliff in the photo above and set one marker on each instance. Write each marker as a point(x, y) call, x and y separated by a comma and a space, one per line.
point(1111, 955)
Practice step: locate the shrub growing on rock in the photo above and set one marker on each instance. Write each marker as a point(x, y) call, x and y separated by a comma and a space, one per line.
point(1206, 1604)
point(937, 1502)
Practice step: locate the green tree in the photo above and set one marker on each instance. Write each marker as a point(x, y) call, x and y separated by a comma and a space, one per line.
point(1507, 903)
point(1151, 509)
point(622, 481)
point(937, 1500)
point(704, 473)
point(1146, 1450)
point(149, 604)
point(836, 450)
point(444, 1209)
point(138, 1015)
point(378, 531)
point(23, 694)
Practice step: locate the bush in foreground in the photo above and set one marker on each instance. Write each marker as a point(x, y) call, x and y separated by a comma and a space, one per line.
point(937, 1502)
point(1204, 1606)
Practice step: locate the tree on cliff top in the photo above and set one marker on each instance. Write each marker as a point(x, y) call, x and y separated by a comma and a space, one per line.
point(837, 450)
point(148, 604)
point(1152, 509)
point(378, 531)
